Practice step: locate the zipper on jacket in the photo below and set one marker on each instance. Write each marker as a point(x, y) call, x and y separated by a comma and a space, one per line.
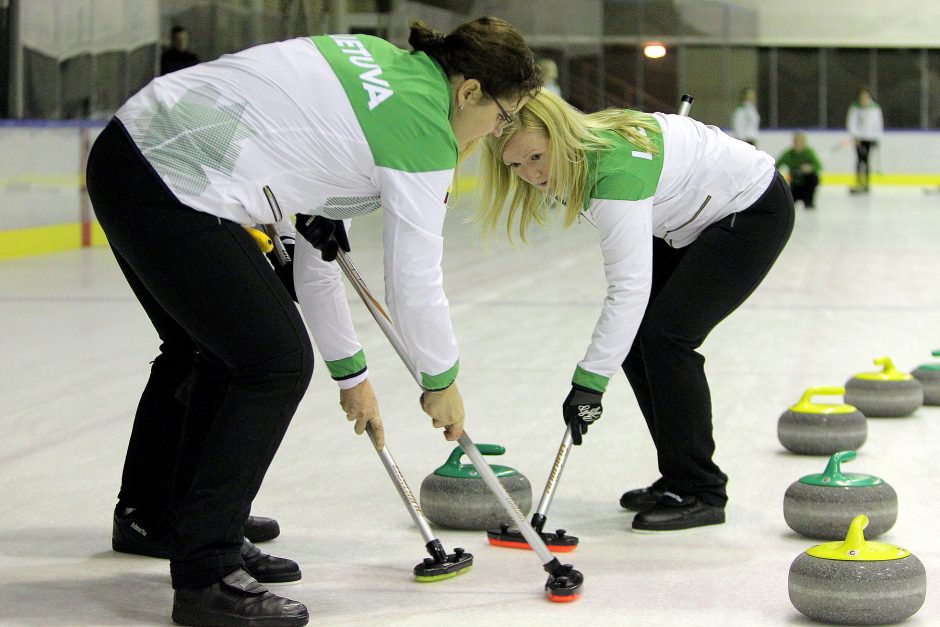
point(272, 202)
point(690, 220)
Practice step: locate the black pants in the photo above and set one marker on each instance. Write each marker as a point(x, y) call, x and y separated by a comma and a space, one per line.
point(862, 168)
point(694, 288)
point(804, 188)
point(203, 283)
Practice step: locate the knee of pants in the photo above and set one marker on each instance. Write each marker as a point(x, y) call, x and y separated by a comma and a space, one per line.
point(294, 362)
point(658, 333)
point(297, 363)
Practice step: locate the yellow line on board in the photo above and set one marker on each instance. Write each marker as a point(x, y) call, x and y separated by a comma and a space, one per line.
point(43, 180)
point(845, 178)
point(41, 240)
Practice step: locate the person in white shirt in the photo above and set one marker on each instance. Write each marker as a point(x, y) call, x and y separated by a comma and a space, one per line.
point(865, 123)
point(332, 127)
point(549, 71)
point(690, 221)
point(745, 120)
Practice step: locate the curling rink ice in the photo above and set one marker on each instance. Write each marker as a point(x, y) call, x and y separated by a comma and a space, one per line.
point(859, 279)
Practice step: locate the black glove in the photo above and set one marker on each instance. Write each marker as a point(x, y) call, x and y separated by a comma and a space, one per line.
point(326, 235)
point(285, 272)
point(581, 409)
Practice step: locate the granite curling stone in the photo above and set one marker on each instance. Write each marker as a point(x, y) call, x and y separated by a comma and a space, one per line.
point(822, 506)
point(856, 582)
point(810, 428)
point(929, 377)
point(456, 497)
point(886, 394)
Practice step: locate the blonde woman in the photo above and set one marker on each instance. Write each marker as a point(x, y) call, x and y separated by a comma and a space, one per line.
point(690, 222)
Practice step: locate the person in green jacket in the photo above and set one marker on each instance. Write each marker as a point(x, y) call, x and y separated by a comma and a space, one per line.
point(803, 169)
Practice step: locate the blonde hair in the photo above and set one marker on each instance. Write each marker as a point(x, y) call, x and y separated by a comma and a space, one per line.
point(572, 137)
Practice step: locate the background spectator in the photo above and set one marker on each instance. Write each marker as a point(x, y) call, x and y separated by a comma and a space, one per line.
point(803, 169)
point(745, 120)
point(178, 55)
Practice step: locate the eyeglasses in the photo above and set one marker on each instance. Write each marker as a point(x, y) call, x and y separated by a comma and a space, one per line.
point(504, 118)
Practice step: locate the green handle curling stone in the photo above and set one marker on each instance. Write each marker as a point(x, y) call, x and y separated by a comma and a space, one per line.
point(456, 497)
point(929, 377)
point(823, 505)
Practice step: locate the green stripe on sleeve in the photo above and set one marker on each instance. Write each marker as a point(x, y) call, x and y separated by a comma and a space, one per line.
point(589, 380)
point(347, 367)
point(440, 381)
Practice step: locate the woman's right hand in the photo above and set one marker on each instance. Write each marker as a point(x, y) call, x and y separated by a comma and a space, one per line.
point(445, 407)
point(362, 407)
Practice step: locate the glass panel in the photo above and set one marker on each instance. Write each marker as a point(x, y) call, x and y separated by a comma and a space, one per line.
point(621, 82)
point(711, 104)
point(5, 51)
point(798, 81)
point(933, 89)
point(582, 83)
point(40, 85)
point(140, 68)
point(898, 89)
point(847, 70)
point(109, 83)
point(743, 74)
point(660, 82)
point(76, 88)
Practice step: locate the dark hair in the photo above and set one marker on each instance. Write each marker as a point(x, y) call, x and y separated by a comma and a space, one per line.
point(488, 49)
point(177, 29)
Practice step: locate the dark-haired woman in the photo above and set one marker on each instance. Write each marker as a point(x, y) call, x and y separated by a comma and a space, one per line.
point(334, 126)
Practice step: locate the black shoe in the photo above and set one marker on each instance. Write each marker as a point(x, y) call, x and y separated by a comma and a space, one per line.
point(137, 532)
point(238, 599)
point(260, 529)
point(640, 499)
point(266, 568)
point(134, 532)
point(673, 513)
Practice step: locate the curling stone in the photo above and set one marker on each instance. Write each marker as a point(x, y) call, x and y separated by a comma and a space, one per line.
point(929, 377)
point(810, 428)
point(856, 582)
point(886, 394)
point(456, 497)
point(822, 506)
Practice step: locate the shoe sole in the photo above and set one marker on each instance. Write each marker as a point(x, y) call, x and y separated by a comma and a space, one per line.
point(257, 537)
point(137, 549)
point(288, 578)
point(677, 528)
point(638, 507)
point(210, 619)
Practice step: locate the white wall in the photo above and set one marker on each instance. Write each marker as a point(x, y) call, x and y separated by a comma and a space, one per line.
point(40, 172)
point(901, 152)
point(868, 23)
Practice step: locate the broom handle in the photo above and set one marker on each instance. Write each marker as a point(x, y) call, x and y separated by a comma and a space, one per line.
point(407, 496)
point(538, 519)
point(486, 473)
